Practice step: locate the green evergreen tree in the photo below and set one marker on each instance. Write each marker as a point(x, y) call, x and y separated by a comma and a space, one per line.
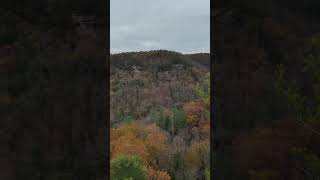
point(128, 168)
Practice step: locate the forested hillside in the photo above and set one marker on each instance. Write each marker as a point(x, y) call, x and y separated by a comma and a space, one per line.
point(160, 115)
point(266, 74)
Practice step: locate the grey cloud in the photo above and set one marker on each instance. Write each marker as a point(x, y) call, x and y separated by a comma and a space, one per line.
point(179, 25)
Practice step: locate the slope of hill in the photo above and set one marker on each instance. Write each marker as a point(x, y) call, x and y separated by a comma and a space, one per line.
point(164, 96)
point(145, 81)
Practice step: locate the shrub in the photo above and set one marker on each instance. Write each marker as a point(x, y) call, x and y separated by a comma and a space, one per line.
point(128, 167)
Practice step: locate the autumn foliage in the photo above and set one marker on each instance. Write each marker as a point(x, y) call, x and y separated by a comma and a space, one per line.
point(136, 139)
point(157, 175)
point(195, 112)
point(159, 121)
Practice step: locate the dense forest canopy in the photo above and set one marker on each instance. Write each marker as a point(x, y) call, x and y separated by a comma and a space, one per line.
point(266, 101)
point(160, 115)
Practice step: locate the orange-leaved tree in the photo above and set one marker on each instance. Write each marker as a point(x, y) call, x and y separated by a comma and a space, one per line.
point(145, 141)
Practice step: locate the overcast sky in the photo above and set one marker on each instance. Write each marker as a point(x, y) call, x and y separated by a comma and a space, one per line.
point(178, 25)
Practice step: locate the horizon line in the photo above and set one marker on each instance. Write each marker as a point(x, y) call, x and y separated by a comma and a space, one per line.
point(141, 51)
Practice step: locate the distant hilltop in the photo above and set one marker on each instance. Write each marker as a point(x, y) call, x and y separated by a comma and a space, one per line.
point(145, 58)
point(157, 51)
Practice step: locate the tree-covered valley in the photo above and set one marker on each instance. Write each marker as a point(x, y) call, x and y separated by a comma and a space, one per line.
point(265, 74)
point(159, 113)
